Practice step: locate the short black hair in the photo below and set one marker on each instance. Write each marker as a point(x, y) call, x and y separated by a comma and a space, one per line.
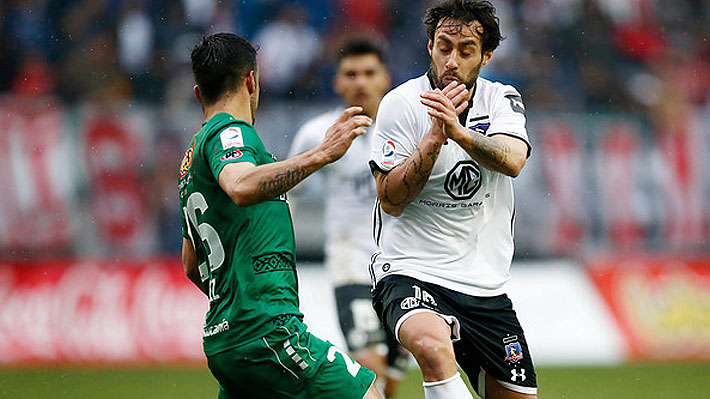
point(467, 11)
point(219, 62)
point(361, 47)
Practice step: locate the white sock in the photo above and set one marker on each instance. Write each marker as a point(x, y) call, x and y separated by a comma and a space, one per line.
point(450, 388)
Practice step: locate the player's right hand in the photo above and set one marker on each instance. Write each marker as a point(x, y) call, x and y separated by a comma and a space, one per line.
point(454, 94)
point(444, 106)
point(341, 134)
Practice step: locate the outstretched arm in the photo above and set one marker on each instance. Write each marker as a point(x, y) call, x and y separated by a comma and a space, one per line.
point(403, 183)
point(499, 153)
point(248, 184)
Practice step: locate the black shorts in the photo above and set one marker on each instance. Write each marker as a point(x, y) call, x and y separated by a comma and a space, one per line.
point(485, 330)
point(363, 330)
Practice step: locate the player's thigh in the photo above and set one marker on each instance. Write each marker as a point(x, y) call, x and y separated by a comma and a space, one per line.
point(358, 321)
point(326, 371)
point(289, 363)
point(399, 298)
point(424, 325)
point(493, 341)
point(494, 390)
point(253, 371)
point(340, 377)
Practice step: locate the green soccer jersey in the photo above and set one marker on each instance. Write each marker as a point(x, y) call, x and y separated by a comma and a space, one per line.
point(245, 253)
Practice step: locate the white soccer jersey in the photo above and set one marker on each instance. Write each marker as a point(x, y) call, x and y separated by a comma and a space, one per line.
point(458, 232)
point(349, 198)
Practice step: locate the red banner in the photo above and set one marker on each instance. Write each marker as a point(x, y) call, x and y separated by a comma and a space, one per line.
point(620, 171)
point(661, 304)
point(37, 174)
point(99, 312)
point(565, 225)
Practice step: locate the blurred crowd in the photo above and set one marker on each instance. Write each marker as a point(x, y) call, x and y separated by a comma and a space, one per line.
point(641, 58)
point(564, 55)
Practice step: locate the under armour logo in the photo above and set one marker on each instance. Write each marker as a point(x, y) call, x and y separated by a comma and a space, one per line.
point(517, 374)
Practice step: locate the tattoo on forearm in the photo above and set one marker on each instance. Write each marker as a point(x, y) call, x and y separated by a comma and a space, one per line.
point(416, 173)
point(490, 150)
point(278, 183)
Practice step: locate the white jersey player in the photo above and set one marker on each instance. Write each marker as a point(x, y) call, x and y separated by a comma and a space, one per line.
point(447, 145)
point(350, 194)
point(462, 220)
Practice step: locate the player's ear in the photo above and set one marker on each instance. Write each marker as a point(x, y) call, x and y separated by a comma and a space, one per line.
point(486, 57)
point(196, 89)
point(429, 46)
point(251, 82)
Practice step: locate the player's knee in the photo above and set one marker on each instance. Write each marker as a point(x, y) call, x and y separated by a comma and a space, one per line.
point(432, 352)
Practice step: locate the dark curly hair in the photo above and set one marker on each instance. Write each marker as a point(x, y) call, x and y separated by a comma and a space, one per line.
point(466, 11)
point(362, 47)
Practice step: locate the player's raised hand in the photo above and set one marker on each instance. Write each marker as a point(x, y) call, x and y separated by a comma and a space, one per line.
point(341, 134)
point(445, 105)
point(457, 93)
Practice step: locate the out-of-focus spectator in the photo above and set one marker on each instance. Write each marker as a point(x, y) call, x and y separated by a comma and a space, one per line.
point(135, 38)
point(645, 59)
point(92, 73)
point(288, 47)
point(35, 77)
point(161, 197)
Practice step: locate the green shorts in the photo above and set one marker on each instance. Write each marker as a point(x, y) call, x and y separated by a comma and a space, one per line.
point(289, 363)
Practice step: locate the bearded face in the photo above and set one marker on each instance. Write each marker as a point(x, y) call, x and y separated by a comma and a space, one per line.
point(456, 53)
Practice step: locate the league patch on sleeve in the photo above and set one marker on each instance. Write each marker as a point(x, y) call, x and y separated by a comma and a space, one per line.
point(231, 137)
point(234, 154)
point(388, 153)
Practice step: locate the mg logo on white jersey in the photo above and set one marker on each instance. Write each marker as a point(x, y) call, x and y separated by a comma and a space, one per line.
point(463, 181)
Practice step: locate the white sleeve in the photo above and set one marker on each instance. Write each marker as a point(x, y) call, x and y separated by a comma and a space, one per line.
point(308, 136)
point(508, 117)
point(395, 129)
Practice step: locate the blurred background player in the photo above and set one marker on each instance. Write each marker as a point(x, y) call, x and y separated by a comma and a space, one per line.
point(447, 145)
point(238, 243)
point(361, 80)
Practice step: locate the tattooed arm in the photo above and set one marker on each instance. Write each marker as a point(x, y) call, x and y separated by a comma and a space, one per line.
point(499, 153)
point(402, 184)
point(249, 184)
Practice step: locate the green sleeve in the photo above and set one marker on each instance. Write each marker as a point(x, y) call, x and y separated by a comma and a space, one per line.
point(232, 144)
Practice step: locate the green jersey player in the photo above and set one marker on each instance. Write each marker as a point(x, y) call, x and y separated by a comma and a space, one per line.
point(238, 244)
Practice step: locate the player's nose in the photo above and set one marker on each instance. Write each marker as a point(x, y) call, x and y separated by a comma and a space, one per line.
point(451, 62)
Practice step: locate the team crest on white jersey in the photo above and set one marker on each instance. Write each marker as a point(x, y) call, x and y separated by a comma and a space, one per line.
point(232, 137)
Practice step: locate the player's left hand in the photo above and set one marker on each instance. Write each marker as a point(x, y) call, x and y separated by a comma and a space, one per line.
point(445, 105)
